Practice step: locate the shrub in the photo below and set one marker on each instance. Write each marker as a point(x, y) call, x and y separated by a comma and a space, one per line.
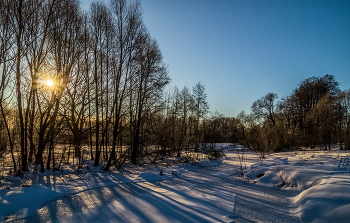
point(214, 153)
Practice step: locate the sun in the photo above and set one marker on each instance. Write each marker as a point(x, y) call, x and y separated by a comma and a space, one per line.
point(49, 83)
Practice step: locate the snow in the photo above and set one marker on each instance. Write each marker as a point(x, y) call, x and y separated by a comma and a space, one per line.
point(28, 199)
point(149, 177)
point(315, 189)
point(207, 162)
point(323, 178)
point(329, 200)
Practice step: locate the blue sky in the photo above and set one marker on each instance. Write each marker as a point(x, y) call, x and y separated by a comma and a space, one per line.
point(242, 50)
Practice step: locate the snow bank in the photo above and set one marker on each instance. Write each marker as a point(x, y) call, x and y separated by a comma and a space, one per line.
point(328, 201)
point(322, 177)
point(299, 171)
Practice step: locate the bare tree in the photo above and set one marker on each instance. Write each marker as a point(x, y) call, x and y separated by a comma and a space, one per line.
point(6, 64)
point(264, 108)
point(97, 18)
point(150, 81)
point(67, 48)
point(21, 12)
point(201, 108)
point(38, 46)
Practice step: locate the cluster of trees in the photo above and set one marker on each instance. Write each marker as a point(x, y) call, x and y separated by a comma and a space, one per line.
point(96, 78)
point(107, 93)
point(315, 115)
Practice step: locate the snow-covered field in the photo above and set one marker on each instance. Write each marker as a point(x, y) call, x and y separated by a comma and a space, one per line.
point(300, 186)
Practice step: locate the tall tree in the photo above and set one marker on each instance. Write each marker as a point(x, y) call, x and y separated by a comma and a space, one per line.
point(150, 81)
point(201, 108)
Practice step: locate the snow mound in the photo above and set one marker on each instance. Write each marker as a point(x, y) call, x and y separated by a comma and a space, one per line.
point(258, 172)
point(328, 201)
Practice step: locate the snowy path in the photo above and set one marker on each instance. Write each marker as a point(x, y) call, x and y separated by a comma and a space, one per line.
point(203, 194)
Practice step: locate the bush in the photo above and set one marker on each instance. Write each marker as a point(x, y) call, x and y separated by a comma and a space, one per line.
point(214, 153)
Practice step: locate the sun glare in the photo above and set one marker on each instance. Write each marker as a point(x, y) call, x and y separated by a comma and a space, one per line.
point(50, 83)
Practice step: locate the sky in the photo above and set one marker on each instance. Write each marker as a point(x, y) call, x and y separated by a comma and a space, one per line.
point(240, 50)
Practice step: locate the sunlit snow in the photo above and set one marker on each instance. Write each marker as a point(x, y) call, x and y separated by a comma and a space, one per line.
point(316, 190)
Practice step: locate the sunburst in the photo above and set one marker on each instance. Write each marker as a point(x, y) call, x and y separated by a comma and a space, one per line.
point(49, 83)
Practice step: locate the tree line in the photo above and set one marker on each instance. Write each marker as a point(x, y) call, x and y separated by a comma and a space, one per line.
point(107, 100)
point(315, 115)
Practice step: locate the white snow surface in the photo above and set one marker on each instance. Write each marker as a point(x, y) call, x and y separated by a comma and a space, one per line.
point(316, 189)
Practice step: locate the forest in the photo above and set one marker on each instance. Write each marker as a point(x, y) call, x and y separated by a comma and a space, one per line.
point(93, 85)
